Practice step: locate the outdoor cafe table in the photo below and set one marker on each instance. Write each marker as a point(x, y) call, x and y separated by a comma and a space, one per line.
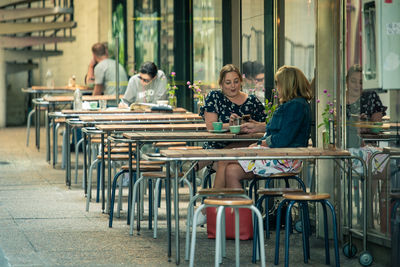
point(37, 90)
point(49, 102)
point(116, 112)
point(139, 124)
point(235, 154)
point(165, 128)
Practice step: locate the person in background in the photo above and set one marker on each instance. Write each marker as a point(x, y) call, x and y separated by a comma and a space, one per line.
point(148, 86)
point(366, 106)
point(102, 70)
point(289, 127)
point(360, 105)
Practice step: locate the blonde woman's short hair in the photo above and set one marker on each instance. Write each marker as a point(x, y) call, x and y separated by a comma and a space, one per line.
point(293, 83)
point(226, 69)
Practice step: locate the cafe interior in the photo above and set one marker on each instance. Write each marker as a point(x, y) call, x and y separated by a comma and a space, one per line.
point(348, 50)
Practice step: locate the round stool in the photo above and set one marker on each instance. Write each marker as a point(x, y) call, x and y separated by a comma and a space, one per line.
point(266, 194)
point(303, 199)
point(203, 193)
point(221, 204)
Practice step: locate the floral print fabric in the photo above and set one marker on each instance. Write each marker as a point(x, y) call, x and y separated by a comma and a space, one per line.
point(266, 168)
point(378, 163)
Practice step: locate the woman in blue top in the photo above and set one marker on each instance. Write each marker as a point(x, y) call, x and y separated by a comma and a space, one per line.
point(289, 127)
point(229, 103)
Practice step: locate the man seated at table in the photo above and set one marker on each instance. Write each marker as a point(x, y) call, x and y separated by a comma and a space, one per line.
point(148, 86)
point(103, 69)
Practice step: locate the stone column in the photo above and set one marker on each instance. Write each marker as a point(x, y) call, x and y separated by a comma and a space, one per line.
point(3, 88)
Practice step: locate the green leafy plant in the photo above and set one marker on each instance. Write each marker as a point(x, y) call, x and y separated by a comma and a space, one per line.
point(328, 112)
point(171, 86)
point(271, 106)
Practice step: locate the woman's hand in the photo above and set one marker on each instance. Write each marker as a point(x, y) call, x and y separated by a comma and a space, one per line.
point(253, 127)
point(232, 118)
point(122, 105)
point(263, 143)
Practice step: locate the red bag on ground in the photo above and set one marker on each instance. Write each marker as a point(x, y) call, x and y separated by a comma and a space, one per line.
point(245, 223)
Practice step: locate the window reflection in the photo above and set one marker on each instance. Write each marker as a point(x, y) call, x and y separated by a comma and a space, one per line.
point(299, 34)
point(253, 47)
point(207, 41)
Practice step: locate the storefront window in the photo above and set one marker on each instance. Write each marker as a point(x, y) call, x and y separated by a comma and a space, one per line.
point(298, 29)
point(253, 47)
point(146, 31)
point(207, 41)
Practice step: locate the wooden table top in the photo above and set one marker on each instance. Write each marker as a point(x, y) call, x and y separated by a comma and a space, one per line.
point(55, 89)
point(117, 111)
point(370, 125)
point(248, 152)
point(395, 151)
point(132, 117)
point(65, 87)
point(380, 135)
point(70, 98)
point(153, 127)
point(188, 135)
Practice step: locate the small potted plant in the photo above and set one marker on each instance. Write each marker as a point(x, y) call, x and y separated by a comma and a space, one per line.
point(171, 88)
point(328, 122)
point(197, 94)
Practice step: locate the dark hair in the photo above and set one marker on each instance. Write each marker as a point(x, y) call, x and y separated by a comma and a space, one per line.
point(149, 68)
point(257, 68)
point(247, 68)
point(252, 68)
point(99, 49)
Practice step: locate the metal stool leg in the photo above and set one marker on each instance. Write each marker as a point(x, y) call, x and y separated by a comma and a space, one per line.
point(77, 159)
point(89, 187)
point(28, 125)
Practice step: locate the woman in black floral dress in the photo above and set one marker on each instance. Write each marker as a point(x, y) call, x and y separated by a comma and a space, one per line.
point(361, 105)
point(229, 103)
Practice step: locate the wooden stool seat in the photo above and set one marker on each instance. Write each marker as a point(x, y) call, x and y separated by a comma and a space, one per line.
point(221, 191)
point(95, 140)
point(119, 150)
point(306, 196)
point(160, 174)
point(167, 144)
point(283, 175)
point(143, 167)
point(278, 191)
point(157, 164)
point(395, 195)
point(228, 201)
point(184, 147)
point(115, 156)
point(60, 120)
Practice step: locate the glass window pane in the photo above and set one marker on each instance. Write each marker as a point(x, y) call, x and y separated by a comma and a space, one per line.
point(299, 32)
point(253, 47)
point(207, 41)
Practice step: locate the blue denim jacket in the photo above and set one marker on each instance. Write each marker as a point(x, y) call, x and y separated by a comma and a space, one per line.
point(290, 125)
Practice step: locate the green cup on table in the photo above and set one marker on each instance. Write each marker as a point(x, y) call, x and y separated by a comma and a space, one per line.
point(217, 125)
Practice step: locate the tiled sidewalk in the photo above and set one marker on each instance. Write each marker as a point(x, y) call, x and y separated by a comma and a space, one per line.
point(43, 223)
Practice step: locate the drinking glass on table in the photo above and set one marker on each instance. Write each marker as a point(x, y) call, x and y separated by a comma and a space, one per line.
point(103, 104)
